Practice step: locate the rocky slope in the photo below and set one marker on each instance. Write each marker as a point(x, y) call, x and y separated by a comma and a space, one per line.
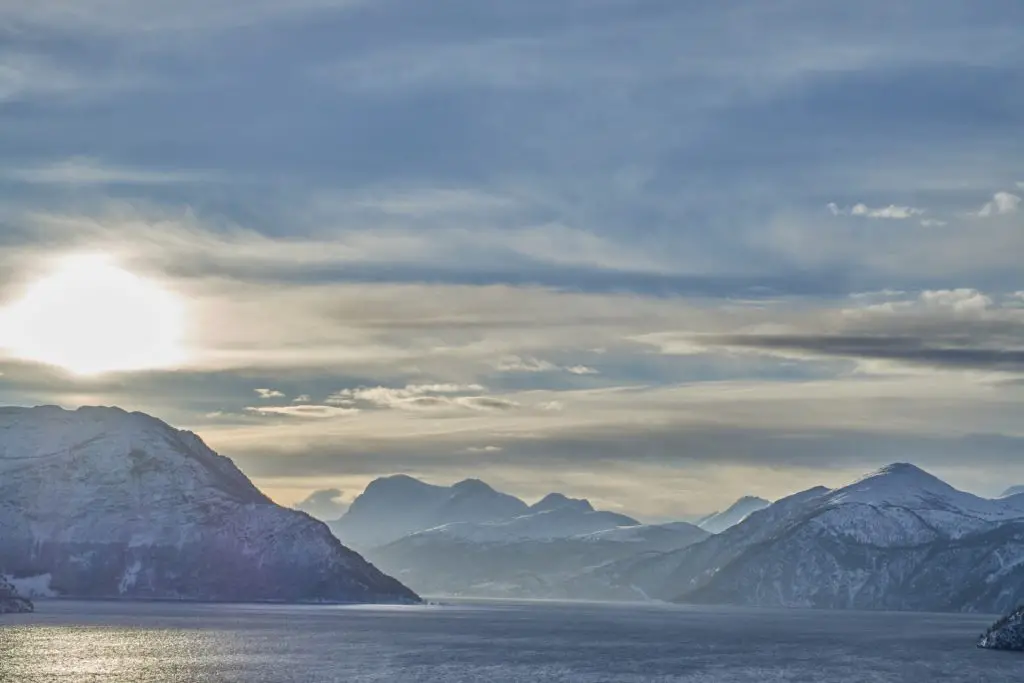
point(103, 503)
point(10, 601)
point(898, 538)
point(1005, 634)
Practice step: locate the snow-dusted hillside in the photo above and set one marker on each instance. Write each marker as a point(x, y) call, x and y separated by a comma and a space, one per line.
point(396, 506)
point(898, 538)
point(574, 518)
point(105, 503)
point(511, 565)
point(733, 515)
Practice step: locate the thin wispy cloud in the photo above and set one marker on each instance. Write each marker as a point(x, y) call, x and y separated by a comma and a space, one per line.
point(530, 364)
point(87, 171)
point(891, 212)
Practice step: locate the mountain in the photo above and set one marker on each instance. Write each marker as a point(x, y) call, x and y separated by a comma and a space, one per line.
point(736, 513)
point(1012, 491)
point(570, 520)
point(393, 507)
point(469, 539)
point(898, 538)
point(11, 602)
point(558, 501)
point(101, 503)
point(523, 563)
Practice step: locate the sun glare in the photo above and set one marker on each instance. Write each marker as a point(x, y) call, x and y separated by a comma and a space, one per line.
point(90, 317)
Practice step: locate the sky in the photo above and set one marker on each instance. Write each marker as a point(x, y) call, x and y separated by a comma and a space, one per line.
point(658, 253)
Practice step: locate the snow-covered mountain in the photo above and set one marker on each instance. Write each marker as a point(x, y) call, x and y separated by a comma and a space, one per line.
point(99, 502)
point(396, 506)
point(898, 538)
point(720, 521)
point(1012, 491)
point(518, 565)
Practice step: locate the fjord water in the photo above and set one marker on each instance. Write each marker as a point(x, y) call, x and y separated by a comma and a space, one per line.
point(501, 641)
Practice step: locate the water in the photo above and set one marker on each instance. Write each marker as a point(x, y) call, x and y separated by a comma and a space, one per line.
point(492, 642)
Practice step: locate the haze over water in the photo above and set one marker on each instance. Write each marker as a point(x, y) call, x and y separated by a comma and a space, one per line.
point(578, 643)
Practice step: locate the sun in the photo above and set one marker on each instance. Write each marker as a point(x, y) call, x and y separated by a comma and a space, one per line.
point(90, 317)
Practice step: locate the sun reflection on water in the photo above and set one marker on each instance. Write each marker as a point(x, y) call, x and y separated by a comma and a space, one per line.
point(38, 654)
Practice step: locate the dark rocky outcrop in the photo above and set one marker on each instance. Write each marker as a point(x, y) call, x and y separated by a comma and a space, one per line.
point(1005, 634)
point(11, 602)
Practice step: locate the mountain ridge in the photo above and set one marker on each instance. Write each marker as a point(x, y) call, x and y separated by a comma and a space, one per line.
point(897, 538)
point(107, 503)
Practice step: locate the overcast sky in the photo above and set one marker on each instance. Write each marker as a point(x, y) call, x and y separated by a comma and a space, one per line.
point(659, 253)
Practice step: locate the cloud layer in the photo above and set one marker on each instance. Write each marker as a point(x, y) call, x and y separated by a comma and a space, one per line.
point(656, 254)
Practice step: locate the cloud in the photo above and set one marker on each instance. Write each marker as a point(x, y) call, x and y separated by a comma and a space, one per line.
point(269, 393)
point(308, 412)
point(145, 18)
point(1002, 203)
point(953, 329)
point(533, 365)
point(324, 504)
point(422, 201)
point(88, 171)
point(30, 76)
point(516, 182)
point(655, 433)
point(892, 211)
point(421, 397)
point(922, 351)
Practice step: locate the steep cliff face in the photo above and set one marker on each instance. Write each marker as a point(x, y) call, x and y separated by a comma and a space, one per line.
point(121, 505)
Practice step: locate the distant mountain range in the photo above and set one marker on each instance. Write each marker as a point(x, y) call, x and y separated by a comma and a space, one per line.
point(101, 503)
point(469, 539)
point(898, 538)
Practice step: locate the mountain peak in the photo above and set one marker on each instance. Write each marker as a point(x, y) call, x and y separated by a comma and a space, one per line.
point(1012, 491)
point(898, 483)
point(558, 501)
point(900, 469)
point(906, 473)
point(720, 521)
point(472, 486)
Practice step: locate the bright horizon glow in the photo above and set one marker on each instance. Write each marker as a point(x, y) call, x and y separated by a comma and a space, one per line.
point(91, 317)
